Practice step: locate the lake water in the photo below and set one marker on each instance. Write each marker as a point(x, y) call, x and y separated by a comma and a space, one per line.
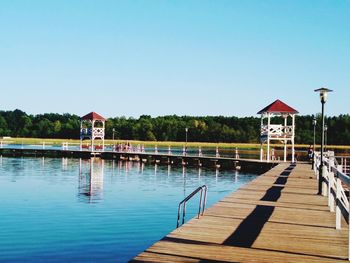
point(73, 210)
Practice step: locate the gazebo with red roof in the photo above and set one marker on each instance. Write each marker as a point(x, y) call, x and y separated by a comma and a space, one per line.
point(278, 132)
point(92, 127)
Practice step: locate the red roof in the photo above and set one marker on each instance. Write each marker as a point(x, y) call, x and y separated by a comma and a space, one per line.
point(93, 116)
point(278, 107)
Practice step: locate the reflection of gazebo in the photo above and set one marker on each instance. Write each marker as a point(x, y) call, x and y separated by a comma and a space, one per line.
point(91, 179)
point(278, 132)
point(92, 127)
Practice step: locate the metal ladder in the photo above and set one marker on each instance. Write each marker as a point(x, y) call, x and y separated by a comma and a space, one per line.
point(202, 202)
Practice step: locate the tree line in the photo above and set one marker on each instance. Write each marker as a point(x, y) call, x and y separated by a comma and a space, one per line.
point(169, 128)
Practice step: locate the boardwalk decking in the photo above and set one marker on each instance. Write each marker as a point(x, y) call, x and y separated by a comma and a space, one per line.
point(278, 217)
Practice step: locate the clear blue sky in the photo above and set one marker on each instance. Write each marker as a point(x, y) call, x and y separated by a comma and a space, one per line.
point(173, 57)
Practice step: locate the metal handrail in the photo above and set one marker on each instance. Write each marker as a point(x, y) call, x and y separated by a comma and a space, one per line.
point(202, 201)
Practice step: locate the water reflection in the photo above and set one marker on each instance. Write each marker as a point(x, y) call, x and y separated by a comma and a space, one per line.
point(184, 179)
point(64, 163)
point(169, 170)
point(91, 175)
point(91, 180)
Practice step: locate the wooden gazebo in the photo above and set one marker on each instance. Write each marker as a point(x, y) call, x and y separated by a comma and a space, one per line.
point(92, 127)
point(283, 133)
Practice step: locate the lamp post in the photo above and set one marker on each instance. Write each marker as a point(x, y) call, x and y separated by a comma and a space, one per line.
point(113, 134)
point(323, 97)
point(325, 136)
point(314, 122)
point(186, 129)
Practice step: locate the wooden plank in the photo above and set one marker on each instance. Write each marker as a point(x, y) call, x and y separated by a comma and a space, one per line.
point(278, 217)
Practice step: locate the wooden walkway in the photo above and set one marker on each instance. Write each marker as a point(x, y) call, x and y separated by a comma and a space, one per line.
point(278, 217)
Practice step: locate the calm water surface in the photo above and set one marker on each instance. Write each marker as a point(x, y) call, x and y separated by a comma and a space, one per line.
point(71, 210)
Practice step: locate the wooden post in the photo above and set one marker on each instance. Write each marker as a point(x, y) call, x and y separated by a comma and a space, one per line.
point(81, 139)
point(92, 136)
point(293, 127)
point(285, 140)
point(285, 151)
point(268, 137)
point(344, 167)
point(103, 138)
point(330, 195)
point(325, 174)
point(337, 208)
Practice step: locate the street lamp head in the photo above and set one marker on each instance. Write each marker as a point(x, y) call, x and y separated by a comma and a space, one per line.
point(186, 129)
point(323, 94)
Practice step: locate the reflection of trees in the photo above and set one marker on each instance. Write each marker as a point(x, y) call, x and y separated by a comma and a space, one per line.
point(91, 179)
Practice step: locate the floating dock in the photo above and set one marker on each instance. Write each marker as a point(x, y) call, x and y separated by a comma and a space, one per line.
point(278, 217)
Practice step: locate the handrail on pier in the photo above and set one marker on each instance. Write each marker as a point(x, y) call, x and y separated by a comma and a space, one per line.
point(333, 182)
point(202, 201)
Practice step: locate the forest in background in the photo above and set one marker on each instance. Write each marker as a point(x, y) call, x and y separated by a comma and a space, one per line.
point(169, 128)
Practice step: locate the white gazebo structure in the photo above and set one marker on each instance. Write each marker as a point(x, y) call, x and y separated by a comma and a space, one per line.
point(283, 133)
point(92, 127)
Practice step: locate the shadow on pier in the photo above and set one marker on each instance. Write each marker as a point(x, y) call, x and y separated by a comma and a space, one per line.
point(248, 231)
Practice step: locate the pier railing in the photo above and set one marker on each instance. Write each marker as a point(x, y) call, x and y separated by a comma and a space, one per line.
point(202, 201)
point(335, 185)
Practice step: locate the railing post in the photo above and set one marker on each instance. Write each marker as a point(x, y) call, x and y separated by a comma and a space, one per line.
point(169, 150)
point(183, 213)
point(205, 198)
point(316, 165)
point(344, 168)
point(200, 203)
point(178, 215)
point(337, 208)
point(325, 177)
point(217, 155)
point(330, 195)
point(340, 168)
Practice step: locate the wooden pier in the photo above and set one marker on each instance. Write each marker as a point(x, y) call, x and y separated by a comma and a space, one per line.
point(215, 162)
point(278, 217)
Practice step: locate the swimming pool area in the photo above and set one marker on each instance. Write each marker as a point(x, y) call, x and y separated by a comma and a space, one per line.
point(93, 210)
